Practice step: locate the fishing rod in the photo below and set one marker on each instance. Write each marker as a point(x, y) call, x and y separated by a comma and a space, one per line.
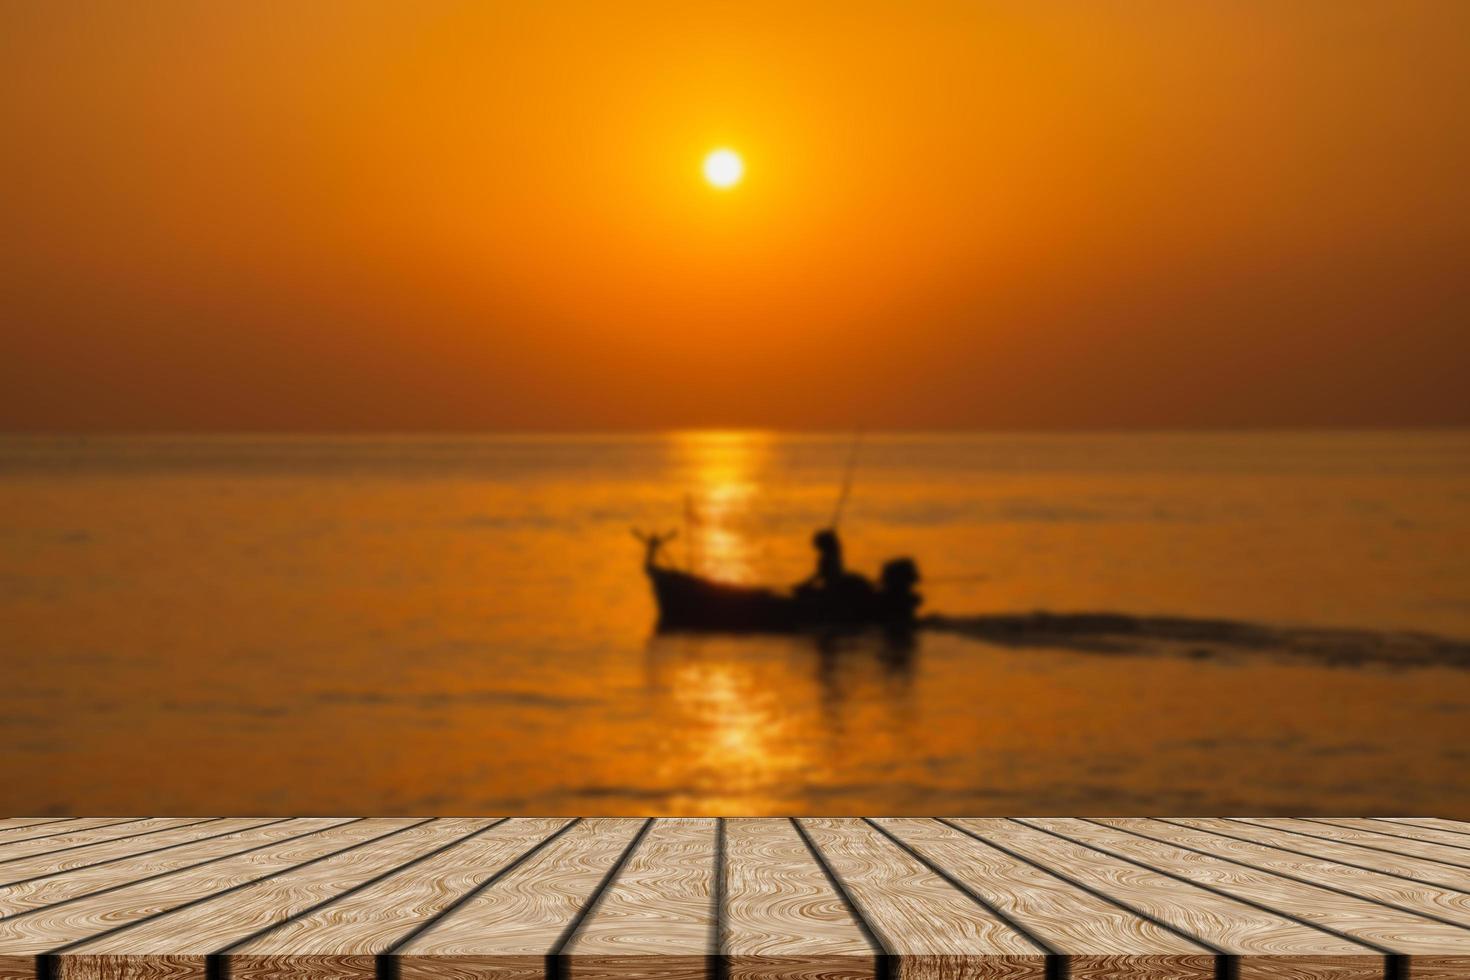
point(846, 491)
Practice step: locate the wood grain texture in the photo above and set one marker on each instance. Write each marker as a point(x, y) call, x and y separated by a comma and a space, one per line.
point(29, 828)
point(75, 839)
point(1380, 842)
point(782, 916)
point(657, 918)
point(8, 824)
point(1427, 835)
point(1101, 938)
point(232, 835)
point(1269, 944)
point(741, 899)
point(506, 931)
point(1439, 823)
point(1327, 866)
point(38, 865)
point(175, 944)
point(1419, 869)
point(342, 938)
point(1438, 968)
point(279, 846)
point(1389, 930)
point(937, 930)
point(1365, 967)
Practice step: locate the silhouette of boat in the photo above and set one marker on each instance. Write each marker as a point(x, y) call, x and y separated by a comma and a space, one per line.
point(692, 602)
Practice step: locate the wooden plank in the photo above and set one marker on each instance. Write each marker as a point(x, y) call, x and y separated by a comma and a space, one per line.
point(1387, 929)
point(341, 939)
point(1429, 835)
point(232, 834)
point(1411, 896)
point(1335, 852)
point(72, 840)
point(1381, 842)
point(8, 824)
point(936, 929)
point(45, 865)
point(740, 899)
point(176, 944)
point(1271, 945)
point(30, 828)
point(782, 916)
point(507, 931)
point(1439, 823)
point(656, 919)
point(1100, 938)
point(277, 846)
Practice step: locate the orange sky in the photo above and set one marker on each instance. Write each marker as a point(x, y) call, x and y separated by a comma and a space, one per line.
point(357, 215)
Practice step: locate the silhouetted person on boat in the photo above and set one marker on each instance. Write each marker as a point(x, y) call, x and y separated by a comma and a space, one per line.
point(832, 592)
point(829, 571)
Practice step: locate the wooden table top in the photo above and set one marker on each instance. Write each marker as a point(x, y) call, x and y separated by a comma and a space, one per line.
point(821, 898)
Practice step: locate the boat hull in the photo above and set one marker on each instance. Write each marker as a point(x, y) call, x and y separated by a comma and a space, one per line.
point(690, 603)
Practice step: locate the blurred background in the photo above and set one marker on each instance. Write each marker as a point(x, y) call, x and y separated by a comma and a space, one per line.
point(1148, 309)
point(455, 624)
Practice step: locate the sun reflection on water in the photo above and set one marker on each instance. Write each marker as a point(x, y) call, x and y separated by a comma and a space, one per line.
point(736, 749)
point(724, 471)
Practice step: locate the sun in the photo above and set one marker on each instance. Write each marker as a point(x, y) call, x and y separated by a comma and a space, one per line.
point(723, 168)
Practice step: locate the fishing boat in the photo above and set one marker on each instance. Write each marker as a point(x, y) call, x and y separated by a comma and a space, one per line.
point(691, 602)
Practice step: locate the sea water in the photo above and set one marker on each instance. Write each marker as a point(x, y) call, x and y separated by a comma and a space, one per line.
point(459, 624)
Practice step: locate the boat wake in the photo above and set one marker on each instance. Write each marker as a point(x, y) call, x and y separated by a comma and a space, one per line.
point(1120, 633)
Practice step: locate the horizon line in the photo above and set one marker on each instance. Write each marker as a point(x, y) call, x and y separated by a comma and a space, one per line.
point(729, 430)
